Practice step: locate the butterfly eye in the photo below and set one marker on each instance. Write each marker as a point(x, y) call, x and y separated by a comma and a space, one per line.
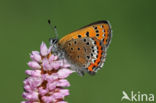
point(53, 41)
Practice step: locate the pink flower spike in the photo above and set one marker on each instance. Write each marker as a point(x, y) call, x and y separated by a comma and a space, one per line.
point(43, 49)
point(34, 65)
point(47, 79)
point(35, 56)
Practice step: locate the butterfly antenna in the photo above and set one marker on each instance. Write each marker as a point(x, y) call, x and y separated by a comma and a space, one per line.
point(53, 27)
point(56, 33)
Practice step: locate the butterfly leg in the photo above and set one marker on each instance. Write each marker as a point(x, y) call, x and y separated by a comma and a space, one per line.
point(76, 69)
point(92, 73)
point(60, 54)
point(81, 73)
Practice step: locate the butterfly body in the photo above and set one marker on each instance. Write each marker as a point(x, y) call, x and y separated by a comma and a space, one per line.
point(85, 49)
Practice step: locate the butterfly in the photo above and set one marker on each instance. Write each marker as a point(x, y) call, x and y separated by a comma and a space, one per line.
point(85, 49)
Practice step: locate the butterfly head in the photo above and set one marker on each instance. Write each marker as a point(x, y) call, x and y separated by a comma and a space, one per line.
point(54, 44)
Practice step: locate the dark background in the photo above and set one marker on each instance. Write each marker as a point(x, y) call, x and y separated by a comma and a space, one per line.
point(130, 63)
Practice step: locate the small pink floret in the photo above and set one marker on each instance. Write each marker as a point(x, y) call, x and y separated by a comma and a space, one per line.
point(63, 73)
point(34, 65)
point(62, 102)
point(34, 73)
point(35, 56)
point(43, 49)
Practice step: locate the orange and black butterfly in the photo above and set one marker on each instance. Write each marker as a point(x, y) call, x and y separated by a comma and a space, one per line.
point(85, 49)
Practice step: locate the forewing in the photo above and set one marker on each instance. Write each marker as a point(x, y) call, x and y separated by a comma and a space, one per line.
point(100, 30)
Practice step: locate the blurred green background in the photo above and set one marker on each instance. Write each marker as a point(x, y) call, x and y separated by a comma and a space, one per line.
point(131, 57)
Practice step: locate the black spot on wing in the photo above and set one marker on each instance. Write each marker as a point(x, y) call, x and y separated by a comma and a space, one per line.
point(75, 42)
point(88, 57)
point(97, 34)
point(87, 43)
point(94, 42)
point(87, 34)
point(79, 36)
point(96, 56)
point(97, 31)
point(95, 27)
point(78, 48)
point(78, 56)
point(94, 23)
point(84, 40)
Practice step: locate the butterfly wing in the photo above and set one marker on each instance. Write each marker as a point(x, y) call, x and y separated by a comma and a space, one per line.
point(86, 47)
point(85, 54)
point(100, 30)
